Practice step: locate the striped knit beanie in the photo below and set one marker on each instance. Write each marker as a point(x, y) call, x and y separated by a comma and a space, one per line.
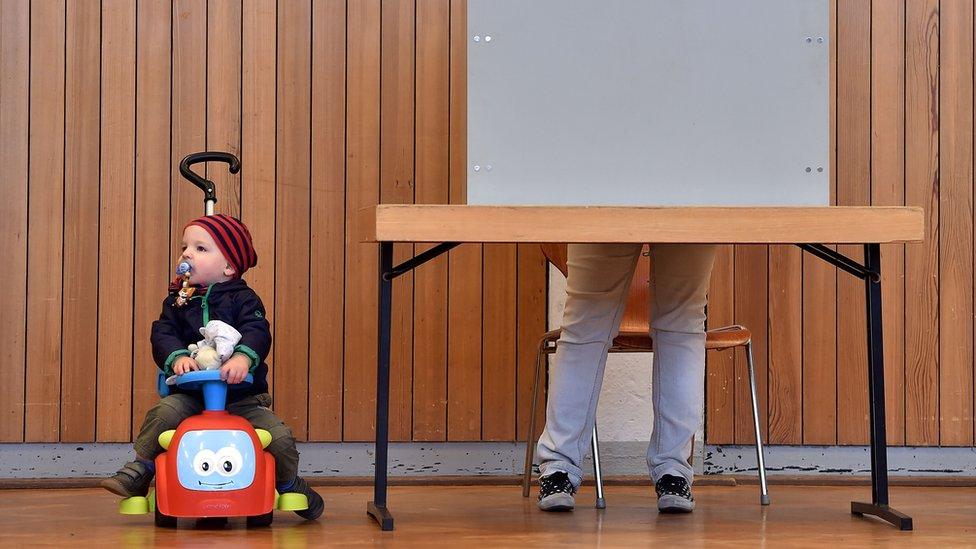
point(233, 239)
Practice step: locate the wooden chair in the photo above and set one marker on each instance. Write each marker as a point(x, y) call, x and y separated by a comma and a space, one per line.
point(634, 337)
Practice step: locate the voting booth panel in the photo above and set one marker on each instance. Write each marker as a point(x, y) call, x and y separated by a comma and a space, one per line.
point(648, 102)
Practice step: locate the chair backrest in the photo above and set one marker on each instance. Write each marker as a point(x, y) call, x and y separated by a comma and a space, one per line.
point(637, 313)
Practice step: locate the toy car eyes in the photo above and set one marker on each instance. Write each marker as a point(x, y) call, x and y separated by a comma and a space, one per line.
point(203, 462)
point(229, 461)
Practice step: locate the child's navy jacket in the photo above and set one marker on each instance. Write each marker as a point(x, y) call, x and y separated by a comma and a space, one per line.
point(232, 302)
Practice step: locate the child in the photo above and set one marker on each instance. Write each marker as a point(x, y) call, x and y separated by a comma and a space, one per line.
point(218, 249)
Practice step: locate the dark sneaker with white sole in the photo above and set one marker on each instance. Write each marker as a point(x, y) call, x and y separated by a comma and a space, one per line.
point(674, 495)
point(556, 492)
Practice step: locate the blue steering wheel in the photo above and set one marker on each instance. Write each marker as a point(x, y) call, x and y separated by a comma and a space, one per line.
point(214, 389)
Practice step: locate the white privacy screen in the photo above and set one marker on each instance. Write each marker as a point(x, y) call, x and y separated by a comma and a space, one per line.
point(648, 102)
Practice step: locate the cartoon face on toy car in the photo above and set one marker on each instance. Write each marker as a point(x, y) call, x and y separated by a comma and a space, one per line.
point(215, 460)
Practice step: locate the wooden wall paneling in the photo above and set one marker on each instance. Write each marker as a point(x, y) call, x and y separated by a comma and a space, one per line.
point(853, 188)
point(328, 219)
point(720, 365)
point(153, 262)
point(921, 189)
point(298, 95)
point(45, 222)
point(785, 345)
point(464, 413)
point(188, 133)
point(117, 223)
point(81, 209)
point(293, 197)
point(888, 189)
point(14, 114)
point(956, 224)
point(433, 187)
point(751, 311)
point(362, 190)
point(498, 355)
point(398, 77)
point(224, 29)
point(820, 305)
point(259, 51)
point(819, 352)
point(532, 314)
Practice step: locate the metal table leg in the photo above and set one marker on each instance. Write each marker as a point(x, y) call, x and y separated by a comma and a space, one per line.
point(387, 272)
point(870, 272)
point(876, 390)
point(377, 508)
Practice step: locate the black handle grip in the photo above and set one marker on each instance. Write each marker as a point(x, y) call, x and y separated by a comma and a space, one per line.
point(206, 185)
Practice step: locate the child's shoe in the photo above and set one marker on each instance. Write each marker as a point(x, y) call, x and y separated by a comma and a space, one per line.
point(315, 504)
point(131, 480)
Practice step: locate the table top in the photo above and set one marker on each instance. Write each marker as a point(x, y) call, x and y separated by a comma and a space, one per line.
point(705, 224)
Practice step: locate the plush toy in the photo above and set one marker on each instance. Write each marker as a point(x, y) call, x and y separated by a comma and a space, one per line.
point(207, 357)
point(217, 345)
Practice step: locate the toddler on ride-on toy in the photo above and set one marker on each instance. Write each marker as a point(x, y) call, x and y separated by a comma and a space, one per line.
point(218, 250)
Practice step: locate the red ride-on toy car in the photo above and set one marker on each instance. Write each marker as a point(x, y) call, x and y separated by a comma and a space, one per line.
point(214, 466)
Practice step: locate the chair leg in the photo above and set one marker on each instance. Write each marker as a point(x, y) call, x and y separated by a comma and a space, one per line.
point(763, 492)
point(530, 436)
point(597, 473)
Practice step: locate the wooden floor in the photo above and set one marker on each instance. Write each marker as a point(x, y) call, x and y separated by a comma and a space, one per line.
point(497, 516)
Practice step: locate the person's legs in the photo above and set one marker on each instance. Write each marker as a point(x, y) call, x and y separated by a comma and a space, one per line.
point(679, 286)
point(596, 293)
point(256, 409)
point(134, 477)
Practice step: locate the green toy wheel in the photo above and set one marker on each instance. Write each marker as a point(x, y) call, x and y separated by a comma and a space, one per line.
point(136, 505)
point(292, 501)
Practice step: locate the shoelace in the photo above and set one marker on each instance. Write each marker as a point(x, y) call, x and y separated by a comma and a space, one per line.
point(673, 486)
point(555, 483)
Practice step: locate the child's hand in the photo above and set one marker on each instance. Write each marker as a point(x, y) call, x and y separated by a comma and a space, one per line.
point(185, 364)
point(235, 369)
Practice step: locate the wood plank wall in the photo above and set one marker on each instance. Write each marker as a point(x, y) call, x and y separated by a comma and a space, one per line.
point(337, 104)
point(902, 126)
point(332, 106)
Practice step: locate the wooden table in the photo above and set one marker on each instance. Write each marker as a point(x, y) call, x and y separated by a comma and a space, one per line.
point(811, 228)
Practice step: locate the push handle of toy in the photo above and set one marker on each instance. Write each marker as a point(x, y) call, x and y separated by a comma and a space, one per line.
point(206, 185)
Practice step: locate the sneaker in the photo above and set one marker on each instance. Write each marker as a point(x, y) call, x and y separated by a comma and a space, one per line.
point(556, 492)
point(131, 480)
point(315, 504)
point(674, 495)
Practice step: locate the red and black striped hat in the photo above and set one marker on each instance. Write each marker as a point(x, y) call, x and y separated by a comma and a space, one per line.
point(233, 239)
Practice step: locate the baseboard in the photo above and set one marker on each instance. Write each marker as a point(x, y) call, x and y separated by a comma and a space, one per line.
point(510, 480)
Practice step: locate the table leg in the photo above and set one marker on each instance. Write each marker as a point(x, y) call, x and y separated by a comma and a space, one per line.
point(876, 391)
point(870, 272)
point(377, 508)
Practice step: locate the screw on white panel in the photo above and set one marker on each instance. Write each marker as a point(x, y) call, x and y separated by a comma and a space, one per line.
point(477, 39)
point(820, 169)
point(809, 39)
point(488, 167)
point(487, 38)
point(477, 168)
point(809, 169)
point(820, 39)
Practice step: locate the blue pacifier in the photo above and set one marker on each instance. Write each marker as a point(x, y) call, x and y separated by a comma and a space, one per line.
point(183, 268)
